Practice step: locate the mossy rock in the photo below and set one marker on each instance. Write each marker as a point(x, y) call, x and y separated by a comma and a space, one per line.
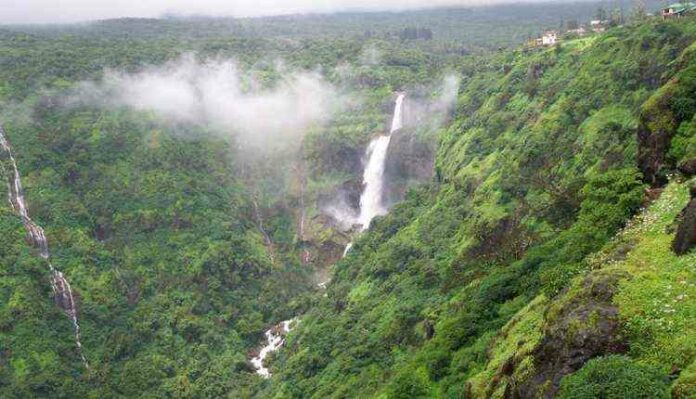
point(581, 324)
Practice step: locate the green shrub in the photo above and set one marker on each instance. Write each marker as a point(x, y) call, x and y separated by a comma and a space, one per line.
point(614, 377)
point(408, 384)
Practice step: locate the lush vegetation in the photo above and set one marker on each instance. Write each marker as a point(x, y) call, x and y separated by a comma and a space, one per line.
point(614, 377)
point(528, 259)
point(461, 291)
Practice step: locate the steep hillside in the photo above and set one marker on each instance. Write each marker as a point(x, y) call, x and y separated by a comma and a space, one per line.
point(502, 276)
point(539, 241)
point(158, 241)
point(181, 246)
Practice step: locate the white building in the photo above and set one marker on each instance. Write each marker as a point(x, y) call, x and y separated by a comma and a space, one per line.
point(581, 31)
point(597, 25)
point(549, 38)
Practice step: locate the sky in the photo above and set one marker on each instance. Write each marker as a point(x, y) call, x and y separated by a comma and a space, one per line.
point(51, 11)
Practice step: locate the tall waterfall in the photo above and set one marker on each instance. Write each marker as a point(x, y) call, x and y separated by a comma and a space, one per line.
point(62, 291)
point(371, 199)
point(371, 202)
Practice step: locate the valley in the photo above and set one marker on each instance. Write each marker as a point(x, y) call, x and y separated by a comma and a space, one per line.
point(386, 204)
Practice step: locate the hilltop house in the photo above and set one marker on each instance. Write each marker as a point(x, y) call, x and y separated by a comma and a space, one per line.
point(597, 25)
point(678, 9)
point(548, 38)
point(580, 31)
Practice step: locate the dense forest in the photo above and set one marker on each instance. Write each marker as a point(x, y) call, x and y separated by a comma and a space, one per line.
point(198, 181)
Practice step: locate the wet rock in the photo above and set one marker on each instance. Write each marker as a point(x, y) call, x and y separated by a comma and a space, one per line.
point(410, 159)
point(685, 238)
point(346, 195)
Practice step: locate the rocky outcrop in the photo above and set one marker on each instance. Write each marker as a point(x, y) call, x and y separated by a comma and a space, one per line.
point(661, 116)
point(410, 159)
point(685, 238)
point(579, 326)
point(653, 144)
point(688, 167)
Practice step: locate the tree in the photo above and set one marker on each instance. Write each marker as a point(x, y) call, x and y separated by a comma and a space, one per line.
point(601, 14)
point(639, 11)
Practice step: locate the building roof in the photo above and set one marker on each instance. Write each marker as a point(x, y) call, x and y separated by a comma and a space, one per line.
point(681, 7)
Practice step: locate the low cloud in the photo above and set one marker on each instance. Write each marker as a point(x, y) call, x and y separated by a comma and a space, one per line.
point(217, 94)
point(432, 112)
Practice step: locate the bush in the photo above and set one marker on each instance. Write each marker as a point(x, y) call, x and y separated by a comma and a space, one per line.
point(614, 377)
point(408, 384)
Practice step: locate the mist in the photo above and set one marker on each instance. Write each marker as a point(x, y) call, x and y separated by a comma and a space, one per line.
point(424, 115)
point(65, 11)
point(217, 94)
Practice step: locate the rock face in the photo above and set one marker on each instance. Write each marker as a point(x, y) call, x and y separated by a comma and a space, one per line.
point(582, 326)
point(661, 115)
point(688, 167)
point(654, 137)
point(410, 159)
point(685, 239)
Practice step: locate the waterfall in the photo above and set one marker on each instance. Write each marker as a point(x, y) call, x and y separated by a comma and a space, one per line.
point(347, 249)
point(259, 224)
point(275, 338)
point(62, 292)
point(371, 203)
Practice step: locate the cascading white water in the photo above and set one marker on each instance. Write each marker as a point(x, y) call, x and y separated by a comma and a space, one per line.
point(371, 203)
point(61, 287)
point(275, 338)
point(348, 247)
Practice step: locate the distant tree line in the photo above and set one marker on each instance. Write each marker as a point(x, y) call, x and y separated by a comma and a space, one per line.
point(413, 33)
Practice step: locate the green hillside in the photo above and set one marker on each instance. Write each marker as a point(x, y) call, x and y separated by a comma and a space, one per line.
point(538, 242)
point(512, 270)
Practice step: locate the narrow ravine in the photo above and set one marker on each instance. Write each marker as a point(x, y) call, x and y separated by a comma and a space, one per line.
point(62, 292)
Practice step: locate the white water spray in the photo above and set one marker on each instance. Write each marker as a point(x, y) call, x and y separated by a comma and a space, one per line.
point(371, 202)
point(275, 338)
point(371, 199)
point(62, 291)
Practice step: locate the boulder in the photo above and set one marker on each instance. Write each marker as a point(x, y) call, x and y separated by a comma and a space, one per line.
point(688, 167)
point(685, 238)
point(579, 327)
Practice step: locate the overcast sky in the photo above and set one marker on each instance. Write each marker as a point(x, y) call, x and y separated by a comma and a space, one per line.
point(42, 11)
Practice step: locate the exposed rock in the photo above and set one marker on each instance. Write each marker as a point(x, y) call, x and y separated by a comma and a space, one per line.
point(347, 195)
point(685, 239)
point(581, 326)
point(688, 167)
point(410, 159)
point(429, 327)
point(661, 115)
point(657, 126)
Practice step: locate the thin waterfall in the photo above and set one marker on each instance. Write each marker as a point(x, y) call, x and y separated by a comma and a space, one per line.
point(62, 292)
point(371, 199)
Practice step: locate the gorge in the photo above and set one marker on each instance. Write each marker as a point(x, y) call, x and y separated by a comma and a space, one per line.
point(390, 205)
